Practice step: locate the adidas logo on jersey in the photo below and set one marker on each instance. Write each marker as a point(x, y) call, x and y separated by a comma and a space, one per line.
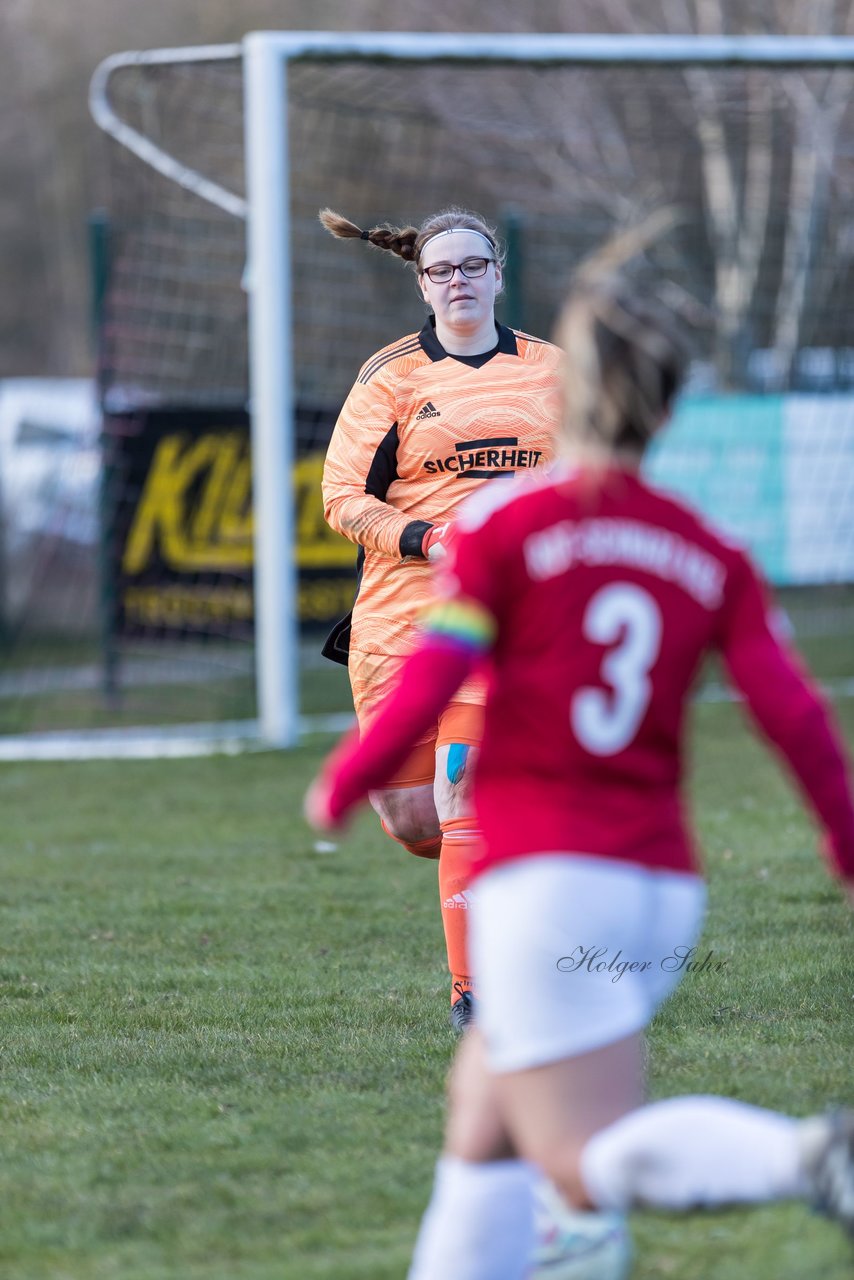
point(458, 901)
point(429, 410)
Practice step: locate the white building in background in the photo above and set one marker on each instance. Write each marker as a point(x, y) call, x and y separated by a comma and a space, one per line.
point(50, 464)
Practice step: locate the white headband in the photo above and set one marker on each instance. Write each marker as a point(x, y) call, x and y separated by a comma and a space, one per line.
point(451, 231)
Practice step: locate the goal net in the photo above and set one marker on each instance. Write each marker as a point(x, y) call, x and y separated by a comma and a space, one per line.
point(216, 573)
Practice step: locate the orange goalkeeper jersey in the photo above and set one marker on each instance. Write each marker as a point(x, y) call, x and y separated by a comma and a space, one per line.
point(418, 432)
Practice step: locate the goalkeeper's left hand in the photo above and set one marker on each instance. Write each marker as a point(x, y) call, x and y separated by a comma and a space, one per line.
point(433, 543)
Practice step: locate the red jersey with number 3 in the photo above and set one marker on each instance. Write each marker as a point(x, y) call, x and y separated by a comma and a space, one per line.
point(604, 595)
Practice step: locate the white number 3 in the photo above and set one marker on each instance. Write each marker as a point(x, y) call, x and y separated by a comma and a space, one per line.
point(605, 722)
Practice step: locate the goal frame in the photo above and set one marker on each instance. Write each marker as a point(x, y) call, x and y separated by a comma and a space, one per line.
point(267, 56)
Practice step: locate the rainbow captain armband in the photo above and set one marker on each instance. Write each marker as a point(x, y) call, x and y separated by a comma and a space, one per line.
point(464, 621)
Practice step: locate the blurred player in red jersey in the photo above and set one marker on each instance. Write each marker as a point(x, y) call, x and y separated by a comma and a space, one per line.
point(429, 420)
point(593, 599)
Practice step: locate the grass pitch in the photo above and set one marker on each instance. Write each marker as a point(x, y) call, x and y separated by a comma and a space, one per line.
point(224, 1045)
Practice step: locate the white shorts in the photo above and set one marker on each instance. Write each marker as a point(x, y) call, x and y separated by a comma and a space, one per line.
point(571, 952)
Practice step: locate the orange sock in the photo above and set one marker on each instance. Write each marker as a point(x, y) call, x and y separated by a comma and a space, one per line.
point(429, 848)
point(460, 838)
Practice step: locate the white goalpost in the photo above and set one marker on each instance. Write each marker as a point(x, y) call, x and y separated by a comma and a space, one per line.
point(267, 55)
point(396, 118)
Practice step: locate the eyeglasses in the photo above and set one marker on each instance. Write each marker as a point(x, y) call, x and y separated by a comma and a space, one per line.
point(443, 272)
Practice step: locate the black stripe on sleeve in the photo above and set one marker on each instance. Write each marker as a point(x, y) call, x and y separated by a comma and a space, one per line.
point(384, 357)
point(381, 474)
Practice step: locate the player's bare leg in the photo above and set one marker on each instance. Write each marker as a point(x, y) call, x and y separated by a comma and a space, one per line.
point(408, 815)
point(554, 1110)
point(492, 1214)
point(613, 1152)
point(548, 1114)
point(474, 1129)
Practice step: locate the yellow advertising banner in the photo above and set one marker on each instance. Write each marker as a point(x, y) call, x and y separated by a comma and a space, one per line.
point(184, 529)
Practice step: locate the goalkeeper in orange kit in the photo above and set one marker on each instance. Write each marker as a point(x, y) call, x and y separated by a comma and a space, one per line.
point(430, 418)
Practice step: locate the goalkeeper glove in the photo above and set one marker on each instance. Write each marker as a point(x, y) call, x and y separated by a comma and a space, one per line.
point(432, 544)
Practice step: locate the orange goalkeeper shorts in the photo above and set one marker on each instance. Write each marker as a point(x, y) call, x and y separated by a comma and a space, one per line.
point(372, 679)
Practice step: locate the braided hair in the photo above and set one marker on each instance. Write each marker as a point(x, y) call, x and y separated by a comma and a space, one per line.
point(624, 357)
point(408, 242)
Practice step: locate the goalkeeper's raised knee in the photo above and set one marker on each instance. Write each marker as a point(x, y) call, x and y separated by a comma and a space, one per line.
point(430, 847)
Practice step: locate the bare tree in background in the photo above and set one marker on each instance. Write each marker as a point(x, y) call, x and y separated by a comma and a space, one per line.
point(765, 189)
point(744, 187)
point(49, 151)
point(774, 187)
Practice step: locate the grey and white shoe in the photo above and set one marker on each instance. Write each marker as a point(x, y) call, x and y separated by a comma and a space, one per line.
point(827, 1145)
point(574, 1244)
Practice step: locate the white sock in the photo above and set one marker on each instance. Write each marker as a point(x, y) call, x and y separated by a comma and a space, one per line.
point(479, 1224)
point(694, 1151)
